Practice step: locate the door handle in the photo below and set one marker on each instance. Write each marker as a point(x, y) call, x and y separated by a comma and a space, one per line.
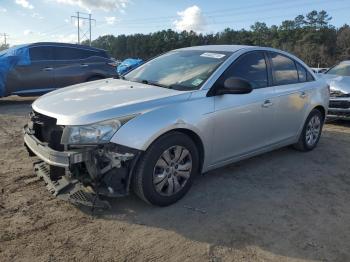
point(48, 69)
point(303, 94)
point(267, 103)
point(84, 65)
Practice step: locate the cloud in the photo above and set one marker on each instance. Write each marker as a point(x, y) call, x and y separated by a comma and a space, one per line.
point(24, 4)
point(3, 10)
point(70, 38)
point(110, 20)
point(28, 32)
point(105, 5)
point(190, 19)
point(37, 16)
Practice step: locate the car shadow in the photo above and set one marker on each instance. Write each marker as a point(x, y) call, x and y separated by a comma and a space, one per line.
point(285, 202)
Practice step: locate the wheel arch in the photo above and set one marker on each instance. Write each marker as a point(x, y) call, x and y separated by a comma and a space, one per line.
point(192, 135)
point(196, 139)
point(322, 110)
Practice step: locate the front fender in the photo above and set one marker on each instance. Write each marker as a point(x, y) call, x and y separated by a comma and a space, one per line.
point(193, 114)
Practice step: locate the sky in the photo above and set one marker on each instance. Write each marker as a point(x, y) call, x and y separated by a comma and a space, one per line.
point(26, 21)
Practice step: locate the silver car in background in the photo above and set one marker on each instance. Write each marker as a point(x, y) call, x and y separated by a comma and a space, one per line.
point(185, 112)
point(338, 78)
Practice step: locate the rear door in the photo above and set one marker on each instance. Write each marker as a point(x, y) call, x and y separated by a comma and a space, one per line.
point(292, 92)
point(71, 65)
point(37, 77)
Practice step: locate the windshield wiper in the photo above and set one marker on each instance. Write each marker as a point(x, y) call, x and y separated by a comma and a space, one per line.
point(154, 84)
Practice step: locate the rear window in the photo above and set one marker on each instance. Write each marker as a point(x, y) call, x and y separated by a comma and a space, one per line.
point(68, 53)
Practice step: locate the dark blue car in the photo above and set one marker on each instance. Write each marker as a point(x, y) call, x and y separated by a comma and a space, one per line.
point(38, 68)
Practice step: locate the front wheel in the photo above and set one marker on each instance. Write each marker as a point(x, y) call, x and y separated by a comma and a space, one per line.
point(165, 172)
point(311, 132)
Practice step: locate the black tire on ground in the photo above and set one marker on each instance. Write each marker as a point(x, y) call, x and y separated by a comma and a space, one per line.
point(143, 184)
point(302, 144)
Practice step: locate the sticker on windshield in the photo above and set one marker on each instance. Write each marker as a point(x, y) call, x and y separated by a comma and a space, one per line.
point(197, 82)
point(213, 55)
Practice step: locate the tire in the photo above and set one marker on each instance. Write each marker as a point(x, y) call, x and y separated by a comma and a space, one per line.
point(154, 180)
point(309, 130)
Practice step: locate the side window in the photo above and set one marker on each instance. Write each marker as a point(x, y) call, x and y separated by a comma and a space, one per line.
point(251, 67)
point(283, 70)
point(41, 53)
point(87, 53)
point(68, 53)
point(302, 73)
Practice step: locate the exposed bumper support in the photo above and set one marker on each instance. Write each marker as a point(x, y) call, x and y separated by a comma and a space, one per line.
point(69, 189)
point(82, 175)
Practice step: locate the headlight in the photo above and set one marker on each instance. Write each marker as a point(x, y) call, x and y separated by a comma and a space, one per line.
point(98, 133)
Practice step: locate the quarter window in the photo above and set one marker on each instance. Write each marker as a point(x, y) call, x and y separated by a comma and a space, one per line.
point(301, 73)
point(284, 70)
point(251, 67)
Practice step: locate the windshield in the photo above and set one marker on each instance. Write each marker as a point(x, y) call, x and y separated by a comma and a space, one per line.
point(342, 69)
point(180, 70)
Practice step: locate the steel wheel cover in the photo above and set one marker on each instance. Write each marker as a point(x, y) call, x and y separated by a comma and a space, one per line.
point(313, 130)
point(172, 170)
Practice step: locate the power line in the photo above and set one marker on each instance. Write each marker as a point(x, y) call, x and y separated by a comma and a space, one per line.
point(82, 34)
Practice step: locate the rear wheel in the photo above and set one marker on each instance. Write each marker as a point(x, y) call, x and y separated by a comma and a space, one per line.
point(165, 172)
point(311, 133)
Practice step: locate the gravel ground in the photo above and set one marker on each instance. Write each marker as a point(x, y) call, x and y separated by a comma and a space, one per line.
point(281, 206)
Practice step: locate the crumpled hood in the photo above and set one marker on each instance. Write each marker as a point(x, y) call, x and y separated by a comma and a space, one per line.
point(338, 83)
point(104, 99)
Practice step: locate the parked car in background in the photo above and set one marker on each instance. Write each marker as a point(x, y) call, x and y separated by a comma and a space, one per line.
point(38, 68)
point(127, 65)
point(182, 113)
point(338, 78)
point(318, 70)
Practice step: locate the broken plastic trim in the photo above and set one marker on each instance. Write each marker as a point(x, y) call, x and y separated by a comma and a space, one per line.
point(85, 173)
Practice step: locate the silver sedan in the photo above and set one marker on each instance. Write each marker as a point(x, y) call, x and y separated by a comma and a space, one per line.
point(338, 78)
point(185, 112)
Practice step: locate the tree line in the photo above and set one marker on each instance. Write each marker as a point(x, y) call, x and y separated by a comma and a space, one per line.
point(311, 37)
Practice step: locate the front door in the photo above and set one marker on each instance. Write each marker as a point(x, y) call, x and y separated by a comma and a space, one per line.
point(243, 122)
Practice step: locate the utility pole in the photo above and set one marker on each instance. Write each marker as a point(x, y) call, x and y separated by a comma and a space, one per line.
point(5, 38)
point(78, 28)
point(83, 34)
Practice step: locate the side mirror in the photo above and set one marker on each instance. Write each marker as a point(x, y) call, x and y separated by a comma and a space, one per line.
point(234, 85)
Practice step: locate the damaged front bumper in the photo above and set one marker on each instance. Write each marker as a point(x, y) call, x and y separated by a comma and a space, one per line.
point(82, 175)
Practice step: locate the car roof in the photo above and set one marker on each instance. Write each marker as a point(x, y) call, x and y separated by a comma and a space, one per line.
point(65, 45)
point(217, 48)
point(345, 62)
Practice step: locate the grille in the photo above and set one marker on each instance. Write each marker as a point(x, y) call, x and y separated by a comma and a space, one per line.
point(339, 104)
point(46, 130)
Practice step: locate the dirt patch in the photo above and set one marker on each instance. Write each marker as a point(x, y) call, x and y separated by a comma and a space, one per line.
point(281, 206)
